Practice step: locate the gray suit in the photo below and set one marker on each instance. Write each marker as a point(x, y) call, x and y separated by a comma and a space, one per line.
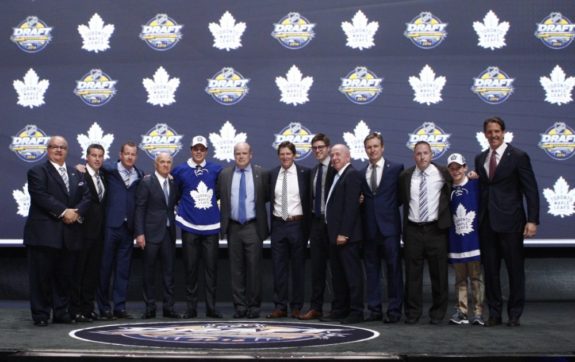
point(245, 240)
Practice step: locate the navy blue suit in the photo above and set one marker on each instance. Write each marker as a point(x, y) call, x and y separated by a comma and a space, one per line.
point(118, 239)
point(382, 234)
point(288, 243)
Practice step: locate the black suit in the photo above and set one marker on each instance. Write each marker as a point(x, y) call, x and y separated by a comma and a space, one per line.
point(426, 241)
point(51, 243)
point(154, 218)
point(288, 242)
point(502, 220)
point(343, 218)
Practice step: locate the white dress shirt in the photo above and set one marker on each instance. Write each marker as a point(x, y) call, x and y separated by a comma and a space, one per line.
point(379, 171)
point(294, 207)
point(435, 183)
point(500, 151)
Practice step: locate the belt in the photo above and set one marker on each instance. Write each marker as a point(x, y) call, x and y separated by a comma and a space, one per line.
point(427, 223)
point(245, 223)
point(289, 219)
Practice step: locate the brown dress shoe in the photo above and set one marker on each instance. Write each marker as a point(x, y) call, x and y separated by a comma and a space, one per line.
point(277, 314)
point(311, 314)
point(295, 313)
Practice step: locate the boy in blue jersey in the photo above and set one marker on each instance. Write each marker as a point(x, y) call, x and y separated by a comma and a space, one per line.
point(464, 251)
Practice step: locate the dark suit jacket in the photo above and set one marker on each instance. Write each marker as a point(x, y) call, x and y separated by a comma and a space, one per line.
point(502, 197)
point(121, 200)
point(381, 210)
point(444, 214)
point(152, 211)
point(261, 195)
point(303, 175)
point(328, 181)
point(342, 211)
point(93, 225)
point(48, 200)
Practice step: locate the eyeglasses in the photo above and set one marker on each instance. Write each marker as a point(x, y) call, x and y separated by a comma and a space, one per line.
point(318, 148)
point(54, 147)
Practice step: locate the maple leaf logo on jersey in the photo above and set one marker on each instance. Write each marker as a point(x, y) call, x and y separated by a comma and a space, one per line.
point(561, 200)
point(227, 34)
point(22, 198)
point(31, 90)
point(294, 87)
point(558, 87)
point(355, 141)
point(360, 32)
point(96, 36)
point(463, 220)
point(161, 89)
point(491, 32)
point(202, 196)
point(95, 135)
point(225, 141)
point(427, 87)
point(480, 136)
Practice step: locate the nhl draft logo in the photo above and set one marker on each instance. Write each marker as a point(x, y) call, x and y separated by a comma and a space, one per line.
point(227, 87)
point(491, 32)
point(96, 88)
point(31, 90)
point(432, 134)
point(427, 88)
point(558, 141)
point(354, 141)
point(32, 35)
point(294, 87)
point(361, 86)
point(30, 143)
point(493, 85)
point(161, 32)
point(426, 31)
point(225, 141)
point(22, 198)
point(558, 86)
point(161, 138)
point(555, 31)
point(95, 135)
point(561, 200)
point(227, 34)
point(161, 89)
point(360, 31)
point(96, 35)
point(297, 134)
point(293, 31)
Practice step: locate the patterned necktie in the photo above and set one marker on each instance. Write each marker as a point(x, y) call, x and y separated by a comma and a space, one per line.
point(64, 175)
point(242, 198)
point(318, 194)
point(423, 212)
point(373, 180)
point(99, 187)
point(492, 164)
point(167, 196)
point(127, 175)
point(284, 197)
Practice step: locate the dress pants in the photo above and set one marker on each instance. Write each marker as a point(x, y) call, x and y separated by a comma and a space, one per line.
point(199, 249)
point(166, 251)
point(347, 279)
point(85, 277)
point(320, 273)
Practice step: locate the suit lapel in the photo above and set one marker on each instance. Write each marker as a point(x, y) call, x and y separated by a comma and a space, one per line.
point(57, 177)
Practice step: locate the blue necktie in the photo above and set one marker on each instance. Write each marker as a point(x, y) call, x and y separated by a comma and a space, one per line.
point(242, 198)
point(318, 195)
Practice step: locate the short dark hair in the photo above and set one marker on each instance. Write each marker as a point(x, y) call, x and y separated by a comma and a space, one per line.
point(129, 144)
point(497, 120)
point(320, 137)
point(286, 144)
point(422, 143)
point(95, 146)
point(373, 135)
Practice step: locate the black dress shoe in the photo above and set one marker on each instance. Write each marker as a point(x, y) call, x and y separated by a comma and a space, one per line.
point(252, 314)
point(374, 317)
point(122, 314)
point(435, 322)
point(149, 314)
point(411, 320)
point(41, 323)
point(65, 319)
point(240, 314)
point(391, 319)
point(171, 314)
point(106, 316)
point(191, 313)
point(80, 318)
point(492, 322)
point(214, 314)
point(513, 323)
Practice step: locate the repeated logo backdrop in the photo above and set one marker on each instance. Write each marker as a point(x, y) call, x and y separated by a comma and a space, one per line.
point(160, 72)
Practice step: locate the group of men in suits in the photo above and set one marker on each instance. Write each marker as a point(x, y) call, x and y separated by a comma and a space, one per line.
point(81, 228)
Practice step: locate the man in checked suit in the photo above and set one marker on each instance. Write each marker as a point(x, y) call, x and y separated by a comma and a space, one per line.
point(506, 179)
point(155, 230)
point(123, 178)
point(289, 203)
point(243, 190)
point(59, 199)
point(342, 214)
point(382, 230)
point(425, 194)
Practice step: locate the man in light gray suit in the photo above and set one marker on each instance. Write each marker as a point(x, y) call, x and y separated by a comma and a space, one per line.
point(243, 191)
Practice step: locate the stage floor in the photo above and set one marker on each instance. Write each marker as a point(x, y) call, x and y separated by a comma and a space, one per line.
point(547, 330)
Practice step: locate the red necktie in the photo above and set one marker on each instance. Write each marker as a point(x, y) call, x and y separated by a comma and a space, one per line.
point(492, 164)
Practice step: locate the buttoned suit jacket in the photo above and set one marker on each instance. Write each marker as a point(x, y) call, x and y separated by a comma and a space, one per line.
point(342, 209)
point(152, 212)
point(502, 196)
point(260, 179)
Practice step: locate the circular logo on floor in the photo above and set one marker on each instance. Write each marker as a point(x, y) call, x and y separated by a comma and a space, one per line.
point(224, 334)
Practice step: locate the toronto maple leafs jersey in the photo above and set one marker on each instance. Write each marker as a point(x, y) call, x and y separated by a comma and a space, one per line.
point(198, 211)
point(463, 234)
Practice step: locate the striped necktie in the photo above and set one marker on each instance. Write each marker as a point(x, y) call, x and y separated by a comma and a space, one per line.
point(423, 211)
